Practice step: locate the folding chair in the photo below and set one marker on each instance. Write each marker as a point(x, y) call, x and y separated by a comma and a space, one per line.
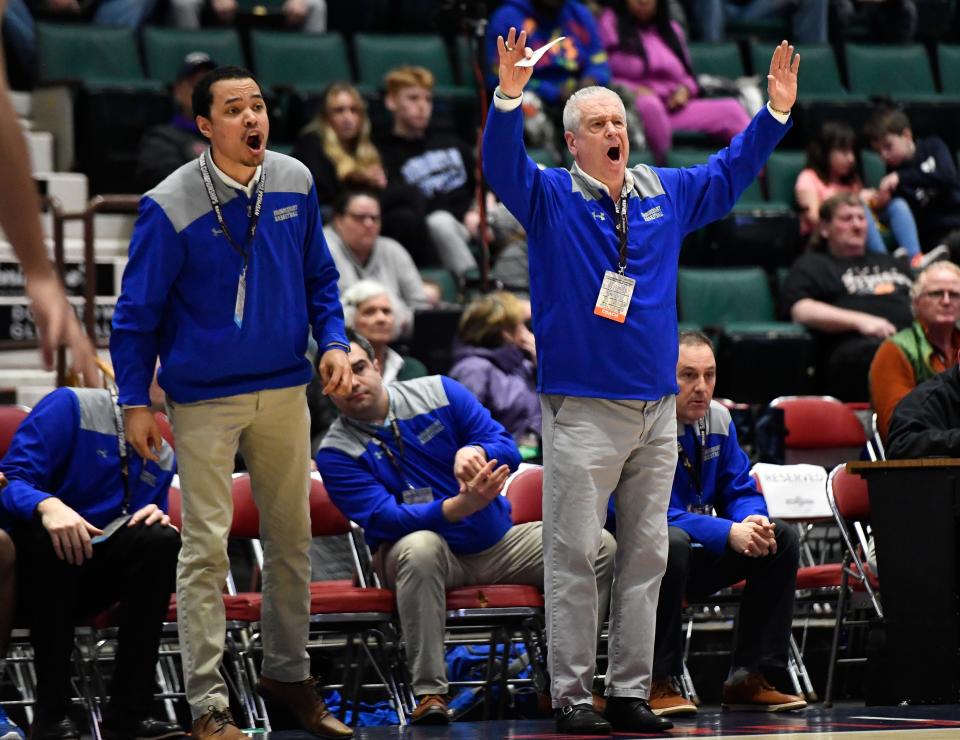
point(821, 430)
point(363, 612)
point(10, 419)
point(850, 503)
point(875, 443)
point(504, 612)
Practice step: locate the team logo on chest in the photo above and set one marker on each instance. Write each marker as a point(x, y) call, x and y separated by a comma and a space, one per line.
point(284, 214)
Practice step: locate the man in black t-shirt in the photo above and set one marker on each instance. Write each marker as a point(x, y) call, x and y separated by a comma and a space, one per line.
point(441, 165)
point(850, 298)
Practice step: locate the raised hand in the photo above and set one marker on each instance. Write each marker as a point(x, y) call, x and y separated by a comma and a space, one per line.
point(513, 79)
point(782, 78)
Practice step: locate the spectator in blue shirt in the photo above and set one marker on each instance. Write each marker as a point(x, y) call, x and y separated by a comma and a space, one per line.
point(720, 533)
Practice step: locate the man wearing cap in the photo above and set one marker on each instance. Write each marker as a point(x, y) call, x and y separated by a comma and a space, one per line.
point(167, 146)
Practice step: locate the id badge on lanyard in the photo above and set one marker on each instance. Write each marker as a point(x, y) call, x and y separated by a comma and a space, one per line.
point(616, 291)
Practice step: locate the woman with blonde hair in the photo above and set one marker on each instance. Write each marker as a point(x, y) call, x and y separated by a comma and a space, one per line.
point(495, 358)
point(337, 149)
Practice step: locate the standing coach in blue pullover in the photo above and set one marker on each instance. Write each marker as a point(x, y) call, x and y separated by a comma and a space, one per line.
point(228, 271)
point(604, 244)
point(420, 467)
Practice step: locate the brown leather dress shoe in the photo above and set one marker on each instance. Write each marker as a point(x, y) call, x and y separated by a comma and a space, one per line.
point(754, 693)
point(217, 724)
point(432, 709)
point(304, 700)
point(666, 699)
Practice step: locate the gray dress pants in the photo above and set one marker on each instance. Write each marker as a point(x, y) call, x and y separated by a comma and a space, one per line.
point(592, 448)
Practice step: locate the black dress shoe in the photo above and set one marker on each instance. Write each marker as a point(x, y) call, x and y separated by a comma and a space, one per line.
point(633, 715)
point(144, 729)
point(63, 729)
point(581, 719)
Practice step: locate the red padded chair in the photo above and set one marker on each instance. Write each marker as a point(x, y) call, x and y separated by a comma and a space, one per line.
point(820, 430)
point(361, 611)
point(850, 503)
point(166, 430)
point(10, 419)
point(506, 610)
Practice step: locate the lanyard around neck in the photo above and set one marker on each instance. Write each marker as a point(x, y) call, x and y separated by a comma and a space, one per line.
point(621, 226)
point(695, 473)
point(122, 449)
point(243, 251)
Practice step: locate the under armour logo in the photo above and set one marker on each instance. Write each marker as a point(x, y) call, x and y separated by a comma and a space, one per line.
point(215, 231)
point(102, 453)
point(599, 216)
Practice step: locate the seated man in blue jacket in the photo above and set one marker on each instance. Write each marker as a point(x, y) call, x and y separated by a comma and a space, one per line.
point(720, 534)
point(87, 517)
point(420, 467)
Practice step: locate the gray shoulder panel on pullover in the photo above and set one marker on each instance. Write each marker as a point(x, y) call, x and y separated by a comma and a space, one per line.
point(718, 419)
point(183, 196)
point(409, 398)
point(97, 415)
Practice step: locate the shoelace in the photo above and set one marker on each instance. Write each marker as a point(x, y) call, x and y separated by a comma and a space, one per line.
point(222, 717)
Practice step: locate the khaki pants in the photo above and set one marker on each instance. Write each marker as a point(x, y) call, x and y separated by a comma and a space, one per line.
point(592, 448)
point(271, 430)
point(421, 567)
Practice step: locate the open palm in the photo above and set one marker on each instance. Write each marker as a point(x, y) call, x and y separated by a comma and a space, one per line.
point(782, 78)
point(513, 79)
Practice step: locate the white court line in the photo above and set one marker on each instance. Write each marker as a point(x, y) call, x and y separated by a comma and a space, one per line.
point(901, 719)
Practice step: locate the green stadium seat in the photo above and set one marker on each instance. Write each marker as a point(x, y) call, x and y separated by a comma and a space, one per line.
point(304, 61)
point(165, 48)
point(716, 59)
point(948, 57)
point(465, 63)
point(717, 297)
point(902, 72)
point(873, 167)
point(377, 54)
point(640, 156)
point(738, 303)
point(445, 279)
point(543, 156)
point(782, 170)
point(752, 198)
point(97, 56)
point(821, 77)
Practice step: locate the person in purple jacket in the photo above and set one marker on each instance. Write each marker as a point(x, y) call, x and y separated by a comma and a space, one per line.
point(648, 55)
point(604, 243)
point(496, 360)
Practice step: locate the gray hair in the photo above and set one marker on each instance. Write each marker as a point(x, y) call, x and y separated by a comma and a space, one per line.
point(358, 293)
point(571, 111)
point(920, 283)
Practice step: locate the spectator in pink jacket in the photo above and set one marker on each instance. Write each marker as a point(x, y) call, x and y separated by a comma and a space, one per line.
point(648, 54)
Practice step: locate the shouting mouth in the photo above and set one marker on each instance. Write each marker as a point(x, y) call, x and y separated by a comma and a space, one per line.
point(254, 142)
point(613, 153)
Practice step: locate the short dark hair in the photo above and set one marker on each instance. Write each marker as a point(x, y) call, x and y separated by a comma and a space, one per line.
point(694, 338)
point(362, 343)
point(203, 97)
point(343, 200)
point(889, 121)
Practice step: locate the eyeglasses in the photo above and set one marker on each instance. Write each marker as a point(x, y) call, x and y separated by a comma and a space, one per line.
point(939, 295)
point(363, 217)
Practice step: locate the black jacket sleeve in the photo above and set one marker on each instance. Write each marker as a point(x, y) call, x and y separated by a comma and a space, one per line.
point(926, 423)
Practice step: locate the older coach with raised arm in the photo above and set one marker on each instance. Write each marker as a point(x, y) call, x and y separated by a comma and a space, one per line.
point(604, 245)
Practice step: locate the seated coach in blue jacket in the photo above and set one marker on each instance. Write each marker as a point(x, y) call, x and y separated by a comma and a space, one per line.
point(87, 515)
point(720, 534)
point(420, 466)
